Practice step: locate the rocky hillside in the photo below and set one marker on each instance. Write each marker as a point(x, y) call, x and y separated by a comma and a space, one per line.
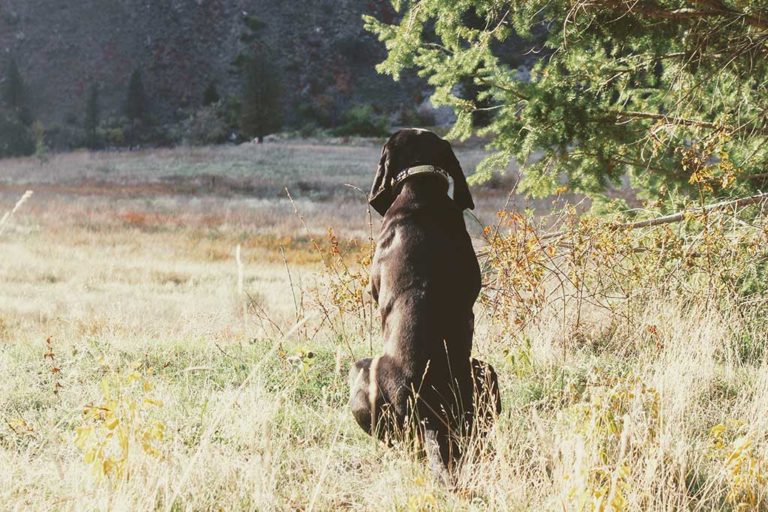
point(183, 45)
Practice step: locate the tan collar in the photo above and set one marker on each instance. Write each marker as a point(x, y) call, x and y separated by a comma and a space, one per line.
point(419, 169)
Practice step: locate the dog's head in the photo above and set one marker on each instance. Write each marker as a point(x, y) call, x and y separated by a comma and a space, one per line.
point(409, 148)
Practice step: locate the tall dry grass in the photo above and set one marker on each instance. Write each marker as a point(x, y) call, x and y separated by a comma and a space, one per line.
point(146, 366)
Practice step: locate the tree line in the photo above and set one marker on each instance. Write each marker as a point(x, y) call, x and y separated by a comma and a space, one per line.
point(253, 113)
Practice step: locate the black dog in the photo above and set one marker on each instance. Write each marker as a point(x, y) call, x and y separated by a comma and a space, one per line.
point(425, 278)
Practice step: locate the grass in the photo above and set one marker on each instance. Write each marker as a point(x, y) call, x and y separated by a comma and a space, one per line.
point(127, 307)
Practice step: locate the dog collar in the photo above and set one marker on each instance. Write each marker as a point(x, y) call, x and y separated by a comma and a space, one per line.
point(420, 169)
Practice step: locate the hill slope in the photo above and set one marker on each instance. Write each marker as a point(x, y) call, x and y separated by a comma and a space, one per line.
point(183, 45)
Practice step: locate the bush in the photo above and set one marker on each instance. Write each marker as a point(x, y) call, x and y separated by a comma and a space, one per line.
point(417, 117)
point(315, 112)
point(112, 131)
point(206, 126)
point(363, 121)
point(716, 258)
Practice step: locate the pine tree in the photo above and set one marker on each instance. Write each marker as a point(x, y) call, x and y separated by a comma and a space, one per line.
point(92, 113)
point(261, 112)
point(135, 107)
point(670, 93)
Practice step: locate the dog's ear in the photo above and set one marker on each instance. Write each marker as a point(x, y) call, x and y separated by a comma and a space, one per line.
point(381, 197)
point(461, 194)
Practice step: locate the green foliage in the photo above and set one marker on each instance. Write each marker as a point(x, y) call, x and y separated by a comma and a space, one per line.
point(113, 131)
point(363, 121)
point(208, 125)
point(671, 93)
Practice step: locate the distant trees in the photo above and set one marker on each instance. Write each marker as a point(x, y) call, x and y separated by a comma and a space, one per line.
point(15, 117)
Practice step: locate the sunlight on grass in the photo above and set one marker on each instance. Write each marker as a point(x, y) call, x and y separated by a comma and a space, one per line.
point(139, 374)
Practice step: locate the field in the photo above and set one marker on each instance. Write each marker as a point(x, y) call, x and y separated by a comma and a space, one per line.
point(175, 333)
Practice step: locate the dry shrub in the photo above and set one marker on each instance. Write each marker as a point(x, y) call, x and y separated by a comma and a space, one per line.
point(665, 318)
point(591, 270)
point(342, 291)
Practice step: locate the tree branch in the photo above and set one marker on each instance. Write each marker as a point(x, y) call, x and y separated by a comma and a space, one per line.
point(690, 122)
point(677, 217)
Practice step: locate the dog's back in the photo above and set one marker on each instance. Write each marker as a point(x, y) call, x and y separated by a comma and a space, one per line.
point(425, 278)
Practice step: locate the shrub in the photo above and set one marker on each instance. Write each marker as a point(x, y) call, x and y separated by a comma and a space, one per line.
point(710, 257)
point(112, 431)
point(113, 131)
point(361, 120)
point(206, 126)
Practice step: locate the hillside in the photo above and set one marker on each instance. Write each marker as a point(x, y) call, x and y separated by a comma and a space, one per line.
point(181, 46)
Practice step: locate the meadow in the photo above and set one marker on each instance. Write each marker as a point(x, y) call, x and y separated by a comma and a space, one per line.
point(176, 330)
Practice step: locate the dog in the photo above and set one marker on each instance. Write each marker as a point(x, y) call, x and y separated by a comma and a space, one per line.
point(425, 278)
